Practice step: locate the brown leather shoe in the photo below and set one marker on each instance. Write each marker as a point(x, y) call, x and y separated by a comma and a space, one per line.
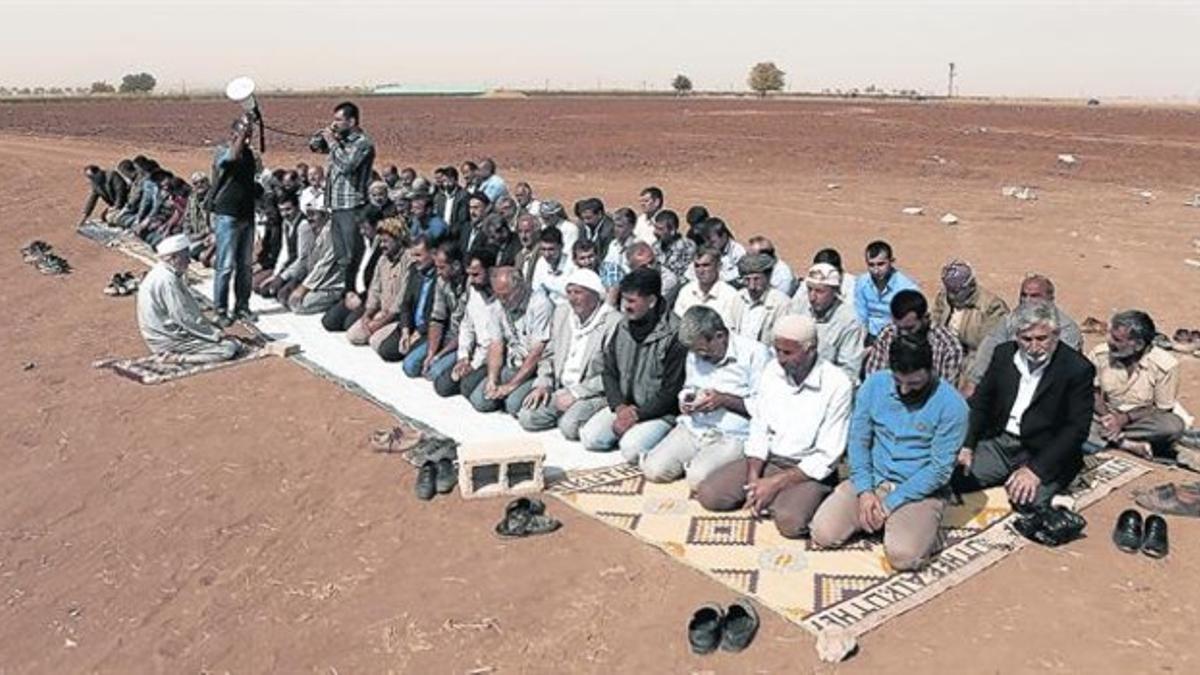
point(1172, 499)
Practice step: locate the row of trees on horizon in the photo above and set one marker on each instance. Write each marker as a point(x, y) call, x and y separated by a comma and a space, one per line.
point(764, 77)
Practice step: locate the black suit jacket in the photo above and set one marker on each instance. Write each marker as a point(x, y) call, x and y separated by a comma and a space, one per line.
point(460, 214)
point(601, 235)
point(1056, 423)
point(409, 304)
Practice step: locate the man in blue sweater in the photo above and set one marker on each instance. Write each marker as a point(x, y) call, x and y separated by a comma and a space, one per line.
point(905, 433)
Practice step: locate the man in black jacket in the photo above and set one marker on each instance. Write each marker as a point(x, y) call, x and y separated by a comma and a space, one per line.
point(1030, 415)
point(234, 171)
point(450, 201)
point(106, 186)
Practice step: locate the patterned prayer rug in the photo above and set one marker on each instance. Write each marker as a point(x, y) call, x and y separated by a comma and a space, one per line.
point(853, 588)
point(154, 369)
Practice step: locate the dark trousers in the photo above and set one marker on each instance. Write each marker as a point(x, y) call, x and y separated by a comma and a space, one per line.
point(339, 318)
point(995, 460)
point(348, 244)
point(445, 386)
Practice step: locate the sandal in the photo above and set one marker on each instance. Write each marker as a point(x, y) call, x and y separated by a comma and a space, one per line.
point(400, 438)
point(1093, 325)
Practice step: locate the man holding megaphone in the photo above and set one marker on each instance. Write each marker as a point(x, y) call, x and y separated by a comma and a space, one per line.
point(232, 206)
point(351, 158)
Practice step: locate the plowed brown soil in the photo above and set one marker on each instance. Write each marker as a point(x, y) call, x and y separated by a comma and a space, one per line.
point(236, 522)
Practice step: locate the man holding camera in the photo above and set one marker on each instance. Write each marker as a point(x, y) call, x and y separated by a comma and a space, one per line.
point(351, 157)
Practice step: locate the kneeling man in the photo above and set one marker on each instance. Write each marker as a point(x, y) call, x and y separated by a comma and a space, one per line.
point(721, 372)
point(569, 388)
point(800, 415)
point(168, 315)
point(906, 431)
point(1029, 415)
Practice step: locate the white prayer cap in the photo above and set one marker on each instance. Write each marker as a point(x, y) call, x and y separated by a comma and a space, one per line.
point(588, 279)
point(823, 274)
point(798, 328)
point(172, 245)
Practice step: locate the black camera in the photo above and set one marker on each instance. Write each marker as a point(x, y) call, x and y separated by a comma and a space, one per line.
point(318, 143)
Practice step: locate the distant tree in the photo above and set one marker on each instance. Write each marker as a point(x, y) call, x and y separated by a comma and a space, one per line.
point(765, 77)
point(682, 84)
point(39, 91)
point(4, 91)
point(100, 87)
point(140, 83)
point(24, 91)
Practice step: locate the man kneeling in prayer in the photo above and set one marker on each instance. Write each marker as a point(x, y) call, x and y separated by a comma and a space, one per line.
point(1030, 415)
point(907, 428)
point(168, 315)
point(721, 372)
point(799, 417)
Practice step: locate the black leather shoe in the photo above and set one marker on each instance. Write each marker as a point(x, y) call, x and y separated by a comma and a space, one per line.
point(704, 630)
point(1154, 541)
point(741, 623)
point(1127, 534)
point(447, 477)
point(427, 481)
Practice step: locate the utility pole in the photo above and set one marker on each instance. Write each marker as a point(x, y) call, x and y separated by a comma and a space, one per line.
point(950, 86)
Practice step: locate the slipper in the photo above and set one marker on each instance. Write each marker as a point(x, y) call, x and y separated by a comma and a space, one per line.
point(1163, 342)
point(1182, 336)
point(1093, 325)
point(400, 438)
point(704, 629)
point(741, 623)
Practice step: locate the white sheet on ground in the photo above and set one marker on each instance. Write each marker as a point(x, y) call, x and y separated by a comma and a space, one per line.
point(453, 417)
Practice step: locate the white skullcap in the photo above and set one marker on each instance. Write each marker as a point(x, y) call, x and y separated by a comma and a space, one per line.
point(823, 274)
point(798, 328)
point(586, 278)
point(172, 245)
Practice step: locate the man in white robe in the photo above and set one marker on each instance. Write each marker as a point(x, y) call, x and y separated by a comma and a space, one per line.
point(168, 315)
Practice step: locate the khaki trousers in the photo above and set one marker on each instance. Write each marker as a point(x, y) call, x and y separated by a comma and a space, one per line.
point(792, 509)
point(911, 533)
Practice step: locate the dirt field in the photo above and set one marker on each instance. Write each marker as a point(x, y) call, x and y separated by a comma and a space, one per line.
point(236, 522)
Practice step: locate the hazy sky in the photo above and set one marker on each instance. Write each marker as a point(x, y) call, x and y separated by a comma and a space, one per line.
point(1017, 47)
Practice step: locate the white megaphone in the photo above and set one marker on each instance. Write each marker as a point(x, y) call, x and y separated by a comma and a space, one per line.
point(241, 91)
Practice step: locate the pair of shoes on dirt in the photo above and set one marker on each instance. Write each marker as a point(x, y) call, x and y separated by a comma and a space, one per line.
point(1050, 525)
point(400, 438)
point(1131, 534)
point(122, 283)
point(1173, 499)
point(436, 478)
point(525, 517)
point(33, 252)
point(730, 629)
